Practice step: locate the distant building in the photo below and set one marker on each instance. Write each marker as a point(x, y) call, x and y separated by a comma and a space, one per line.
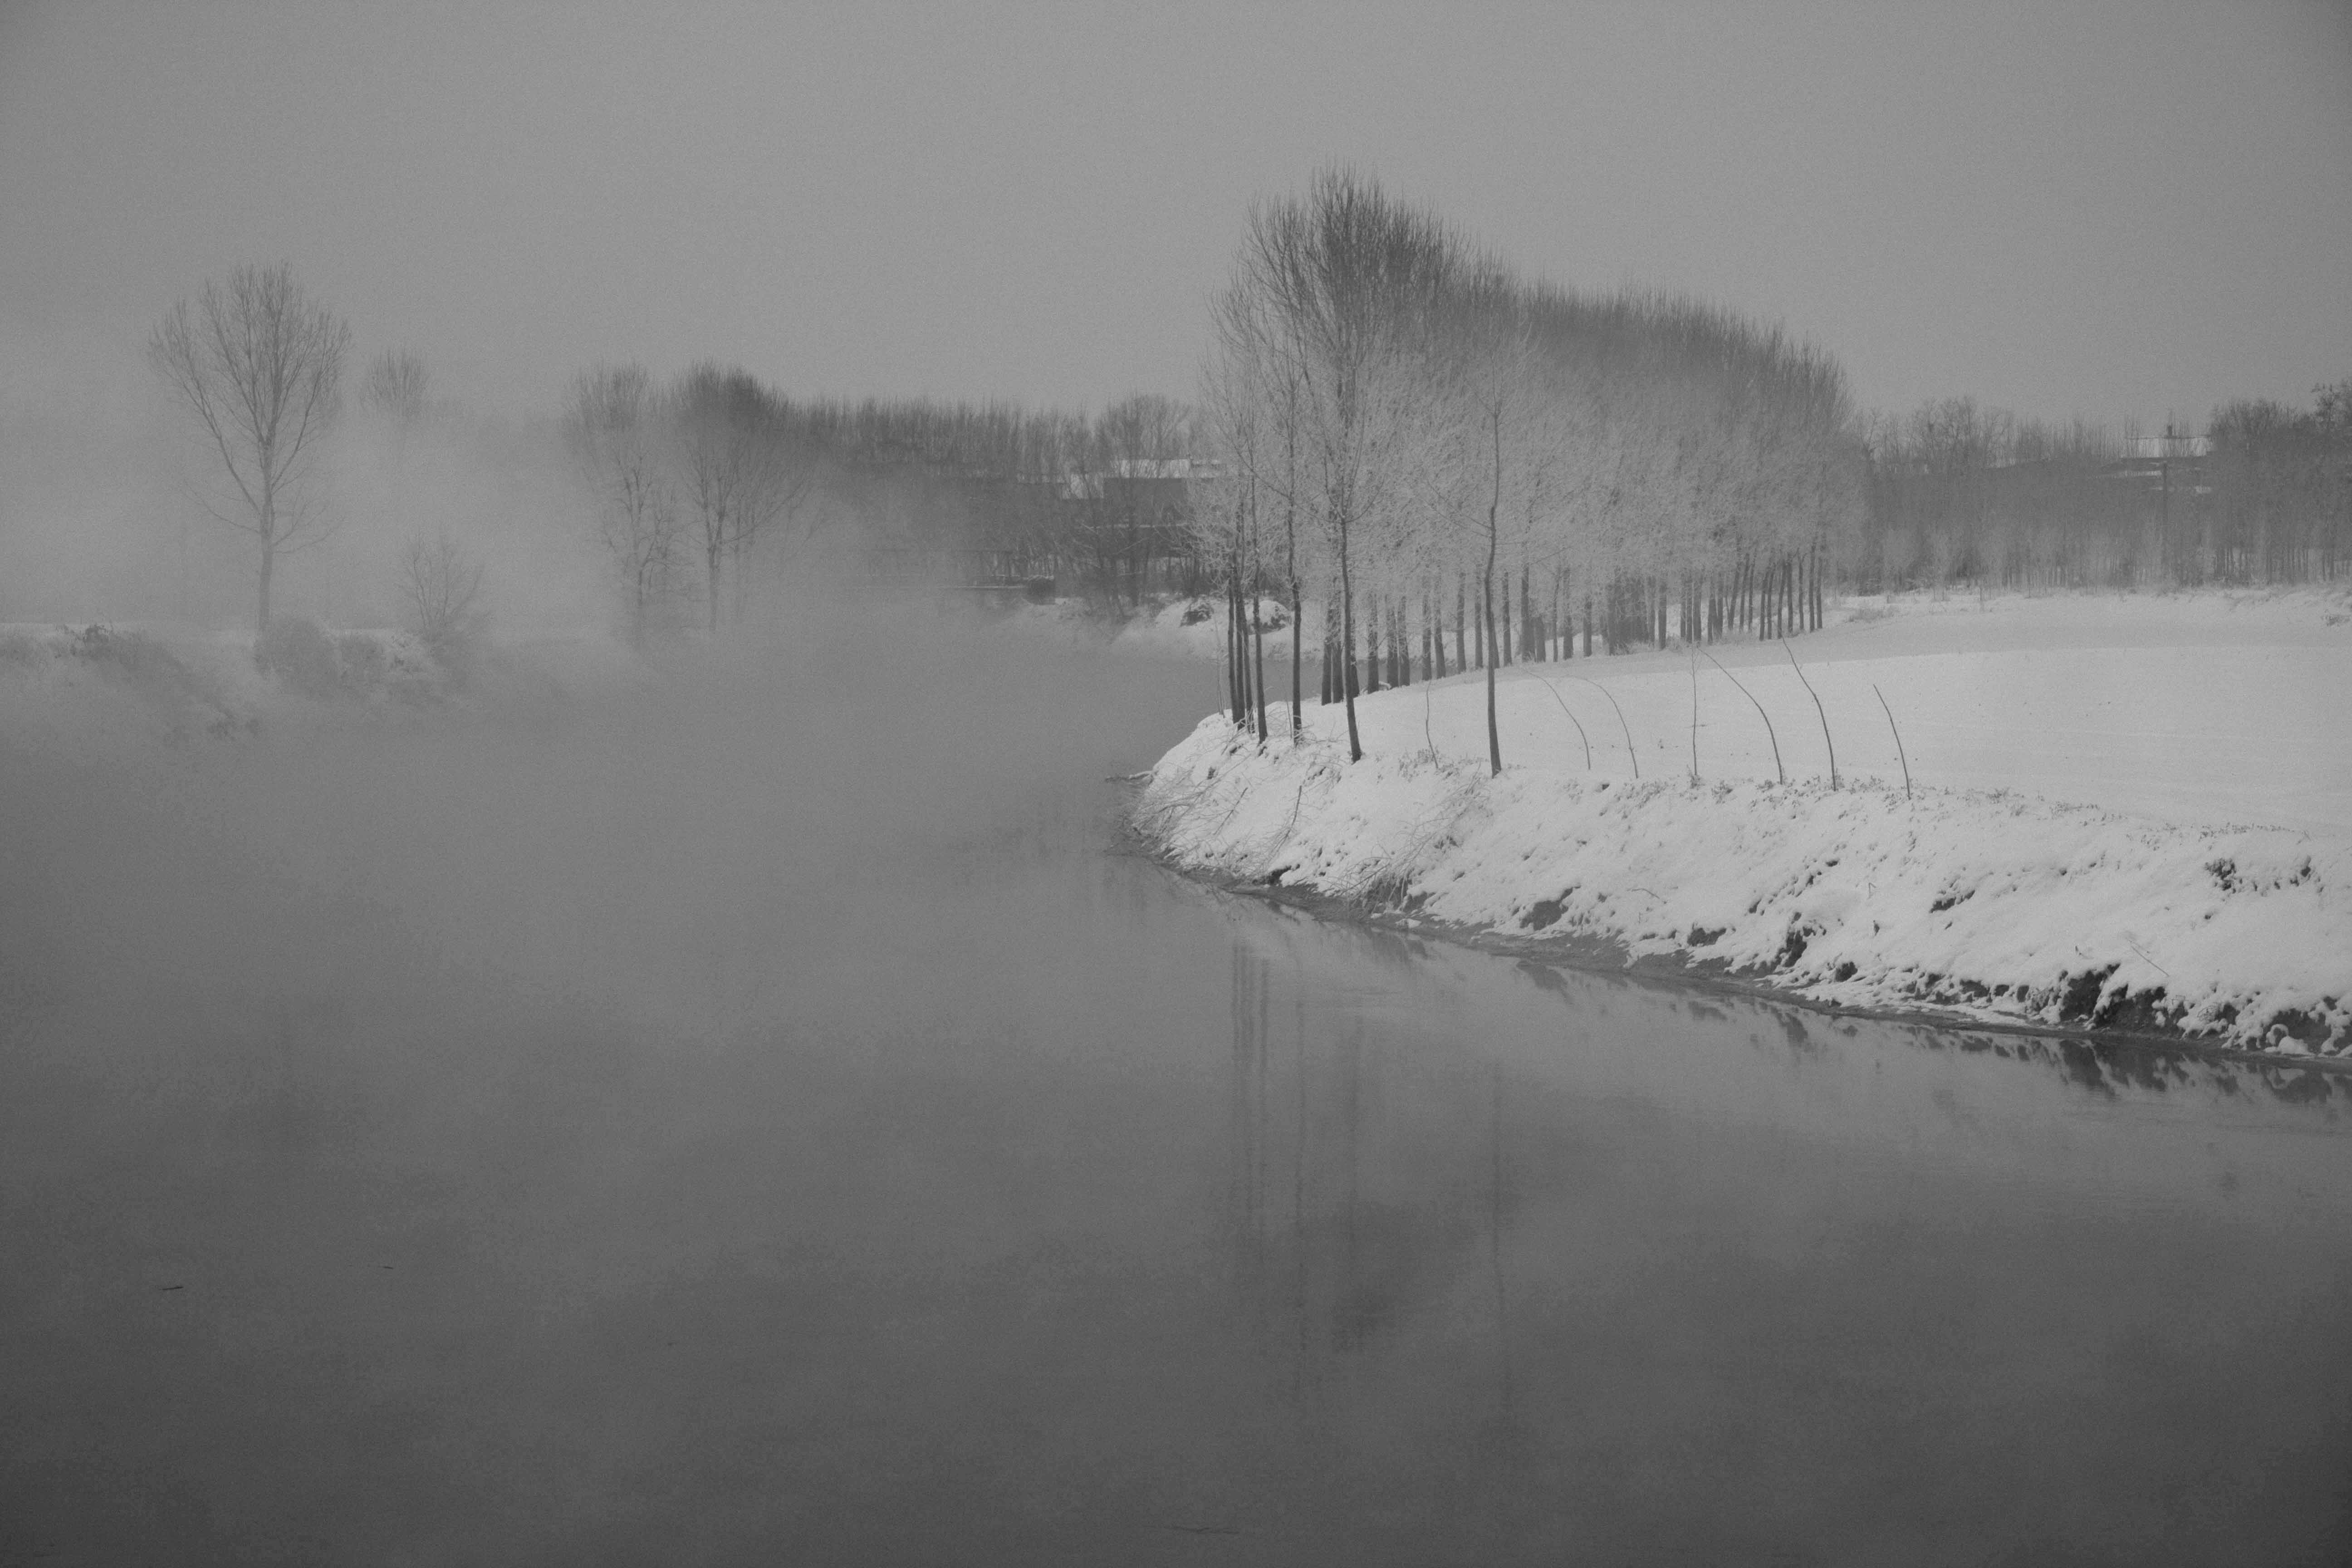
point(1141, 476)
point(2173, 445)
point(2174, 458)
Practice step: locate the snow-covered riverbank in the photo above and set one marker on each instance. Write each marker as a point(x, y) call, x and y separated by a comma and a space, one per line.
point(2182, 862)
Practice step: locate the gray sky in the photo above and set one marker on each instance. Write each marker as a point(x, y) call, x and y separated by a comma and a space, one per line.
point(2116, 209)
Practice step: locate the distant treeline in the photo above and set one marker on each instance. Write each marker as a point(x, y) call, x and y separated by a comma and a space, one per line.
point(1102, 504)
point(1465, 467)
point(707, 481)
point(1963, 494)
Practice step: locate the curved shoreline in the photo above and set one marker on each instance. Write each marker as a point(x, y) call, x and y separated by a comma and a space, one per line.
point(1962, 910)
point(1608, 956)
point(1600, 956)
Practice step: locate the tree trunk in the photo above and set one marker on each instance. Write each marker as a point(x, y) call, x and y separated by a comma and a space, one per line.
point(1486, 600)
point(1257, 637)
point(1297, 652)
point(1530, 644)
point(1486, 620)
point(268, 564)
point(1504, 647)
point(1461, 624)
point(1239, 642)
point(268, 521)
point(1297, 620)
point(1348, 649)
point(1330, 603)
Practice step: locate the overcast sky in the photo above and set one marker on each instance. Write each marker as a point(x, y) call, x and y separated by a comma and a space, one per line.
point(2117, 209)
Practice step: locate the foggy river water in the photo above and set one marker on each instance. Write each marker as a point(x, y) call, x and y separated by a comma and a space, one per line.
point(752, 1113)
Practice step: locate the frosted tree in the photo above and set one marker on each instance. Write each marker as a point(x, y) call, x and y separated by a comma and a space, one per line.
point(1353, 278)
point(1254, 365)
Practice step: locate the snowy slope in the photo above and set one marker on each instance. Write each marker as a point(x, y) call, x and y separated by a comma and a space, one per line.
point(2125, 811)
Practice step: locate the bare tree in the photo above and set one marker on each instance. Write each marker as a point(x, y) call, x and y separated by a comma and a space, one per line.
point(1351, 276)
point(1492, 380)
point(440, 583)
point(399, 387)
point(1232, 422)
point(1251, 370)
point(739, 466)
point(611, 425)
point(259, 363)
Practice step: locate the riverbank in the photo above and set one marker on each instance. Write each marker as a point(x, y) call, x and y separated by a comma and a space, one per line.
point(2005, 904)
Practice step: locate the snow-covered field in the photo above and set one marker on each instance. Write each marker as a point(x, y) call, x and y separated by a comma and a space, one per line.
point(2133, 811)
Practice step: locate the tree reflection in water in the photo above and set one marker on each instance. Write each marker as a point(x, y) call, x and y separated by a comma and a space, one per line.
point(1588, 1247)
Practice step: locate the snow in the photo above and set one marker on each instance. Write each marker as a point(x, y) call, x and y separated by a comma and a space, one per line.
point(78, 685)
point(2131, 811)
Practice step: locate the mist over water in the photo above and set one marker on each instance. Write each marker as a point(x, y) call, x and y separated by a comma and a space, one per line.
point(738, 1107)
point(539, 1026)
point(116, 507)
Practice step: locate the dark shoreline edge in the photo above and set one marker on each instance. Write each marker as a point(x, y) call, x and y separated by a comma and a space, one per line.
point(1607, 956)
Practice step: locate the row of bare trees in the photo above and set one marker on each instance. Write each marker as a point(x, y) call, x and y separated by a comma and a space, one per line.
point(689, 480)
point(1417, 431)
point(696, 474)
point(2277, 506)
point(1961, 493)
point(994, 490)
point(1390, 422)
point(1964, 493)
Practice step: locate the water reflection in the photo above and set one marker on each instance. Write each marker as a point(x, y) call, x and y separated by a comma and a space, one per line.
point(1694, 1277)
point(1351, 1211)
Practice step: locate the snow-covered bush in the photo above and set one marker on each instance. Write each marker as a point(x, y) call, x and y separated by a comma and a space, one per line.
point(307, 660)
point(298, 652)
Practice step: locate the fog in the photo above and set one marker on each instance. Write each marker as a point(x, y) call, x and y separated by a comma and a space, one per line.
point(740, 1105)
point(361, 1036)
point(697, 1072)
point(586, 821)
point(115, 508)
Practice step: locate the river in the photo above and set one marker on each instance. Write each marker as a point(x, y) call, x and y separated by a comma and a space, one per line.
point(753, 1113)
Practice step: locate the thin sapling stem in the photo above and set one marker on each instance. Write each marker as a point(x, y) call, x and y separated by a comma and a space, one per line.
point(1898, 739)
point(1631, 756)
point(1769, 732)
point(1817, 708)
point(1580, 735)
